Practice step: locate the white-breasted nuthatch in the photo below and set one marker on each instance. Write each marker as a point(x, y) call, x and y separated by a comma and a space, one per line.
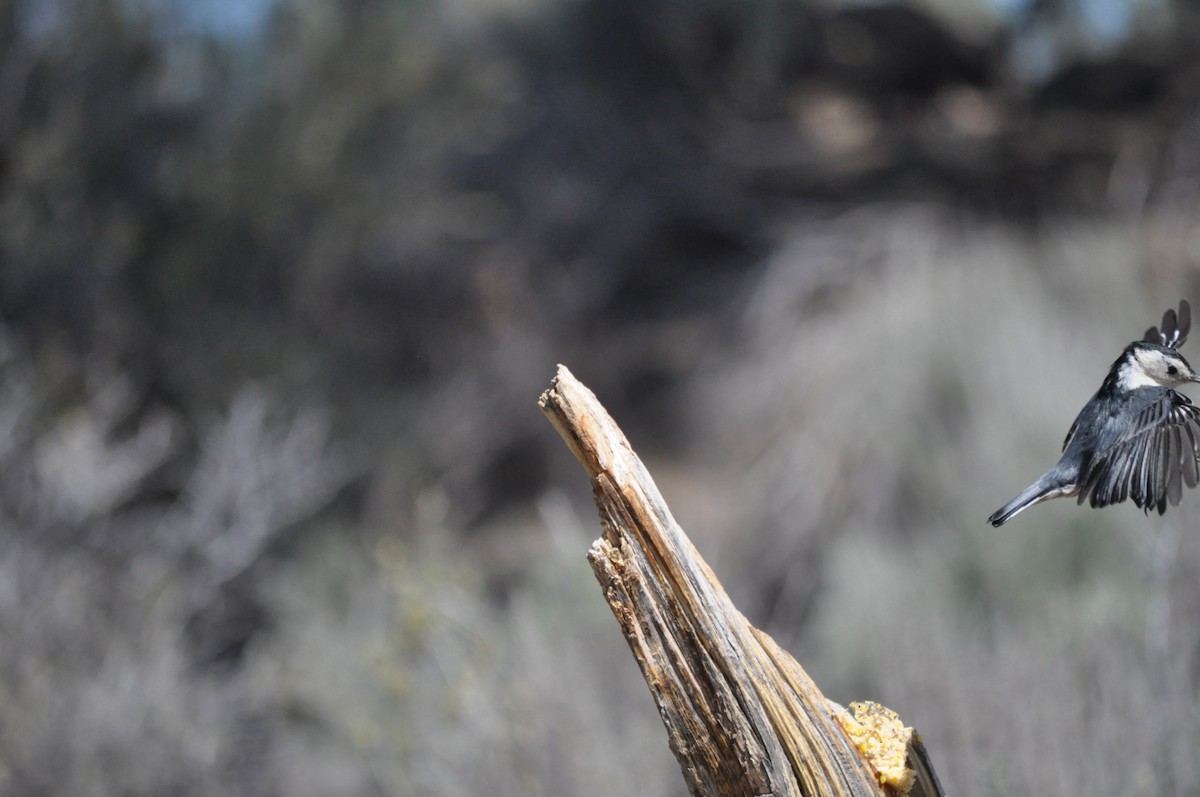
point(1137, 438)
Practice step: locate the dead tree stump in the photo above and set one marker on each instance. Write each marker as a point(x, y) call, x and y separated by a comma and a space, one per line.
point(742, 716)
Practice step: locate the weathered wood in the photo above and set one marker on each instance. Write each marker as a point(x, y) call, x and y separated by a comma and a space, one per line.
point(742, 716)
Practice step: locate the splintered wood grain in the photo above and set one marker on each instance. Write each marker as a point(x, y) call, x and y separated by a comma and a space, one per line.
point(742, 716)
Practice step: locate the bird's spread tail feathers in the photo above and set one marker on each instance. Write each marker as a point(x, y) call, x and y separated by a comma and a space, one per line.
point(1041, 490)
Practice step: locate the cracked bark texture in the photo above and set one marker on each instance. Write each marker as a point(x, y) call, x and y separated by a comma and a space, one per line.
point(742, 716)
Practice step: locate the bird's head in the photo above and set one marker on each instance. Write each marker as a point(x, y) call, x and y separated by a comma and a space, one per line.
point(1150, 364)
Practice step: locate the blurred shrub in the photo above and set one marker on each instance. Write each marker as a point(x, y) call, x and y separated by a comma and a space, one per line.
point(108, 594)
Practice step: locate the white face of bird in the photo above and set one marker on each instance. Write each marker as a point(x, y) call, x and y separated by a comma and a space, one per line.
point(1152, 366)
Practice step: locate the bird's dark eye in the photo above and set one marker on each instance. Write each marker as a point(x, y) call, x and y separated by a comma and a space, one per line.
point(1172, 370)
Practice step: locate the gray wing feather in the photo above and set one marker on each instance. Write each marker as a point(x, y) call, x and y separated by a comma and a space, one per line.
point(1174, 453)
point(1070, 433)
point(1173, 330)
point(1151, 462)
point(1141, 471)
point(1190, 466)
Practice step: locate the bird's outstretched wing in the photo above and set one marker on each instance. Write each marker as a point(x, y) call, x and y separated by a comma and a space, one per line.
point(1174, 329)
point(1151, 462)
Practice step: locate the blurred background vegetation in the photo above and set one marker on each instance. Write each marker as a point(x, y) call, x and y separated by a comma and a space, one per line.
point(281, 280)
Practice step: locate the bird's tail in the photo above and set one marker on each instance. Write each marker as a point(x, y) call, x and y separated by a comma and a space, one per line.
point(1041, 490)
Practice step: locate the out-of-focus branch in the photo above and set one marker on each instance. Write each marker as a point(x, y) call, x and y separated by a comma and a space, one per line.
point(742, 716)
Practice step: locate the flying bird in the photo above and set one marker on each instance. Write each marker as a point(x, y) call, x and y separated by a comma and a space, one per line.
point(1138, 438)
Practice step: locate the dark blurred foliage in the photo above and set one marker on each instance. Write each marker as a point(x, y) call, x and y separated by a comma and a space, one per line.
point(368, 196)
point(407, 212)
point(162, 192)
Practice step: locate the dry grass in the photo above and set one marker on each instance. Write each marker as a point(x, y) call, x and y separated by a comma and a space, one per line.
point(896, 376)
